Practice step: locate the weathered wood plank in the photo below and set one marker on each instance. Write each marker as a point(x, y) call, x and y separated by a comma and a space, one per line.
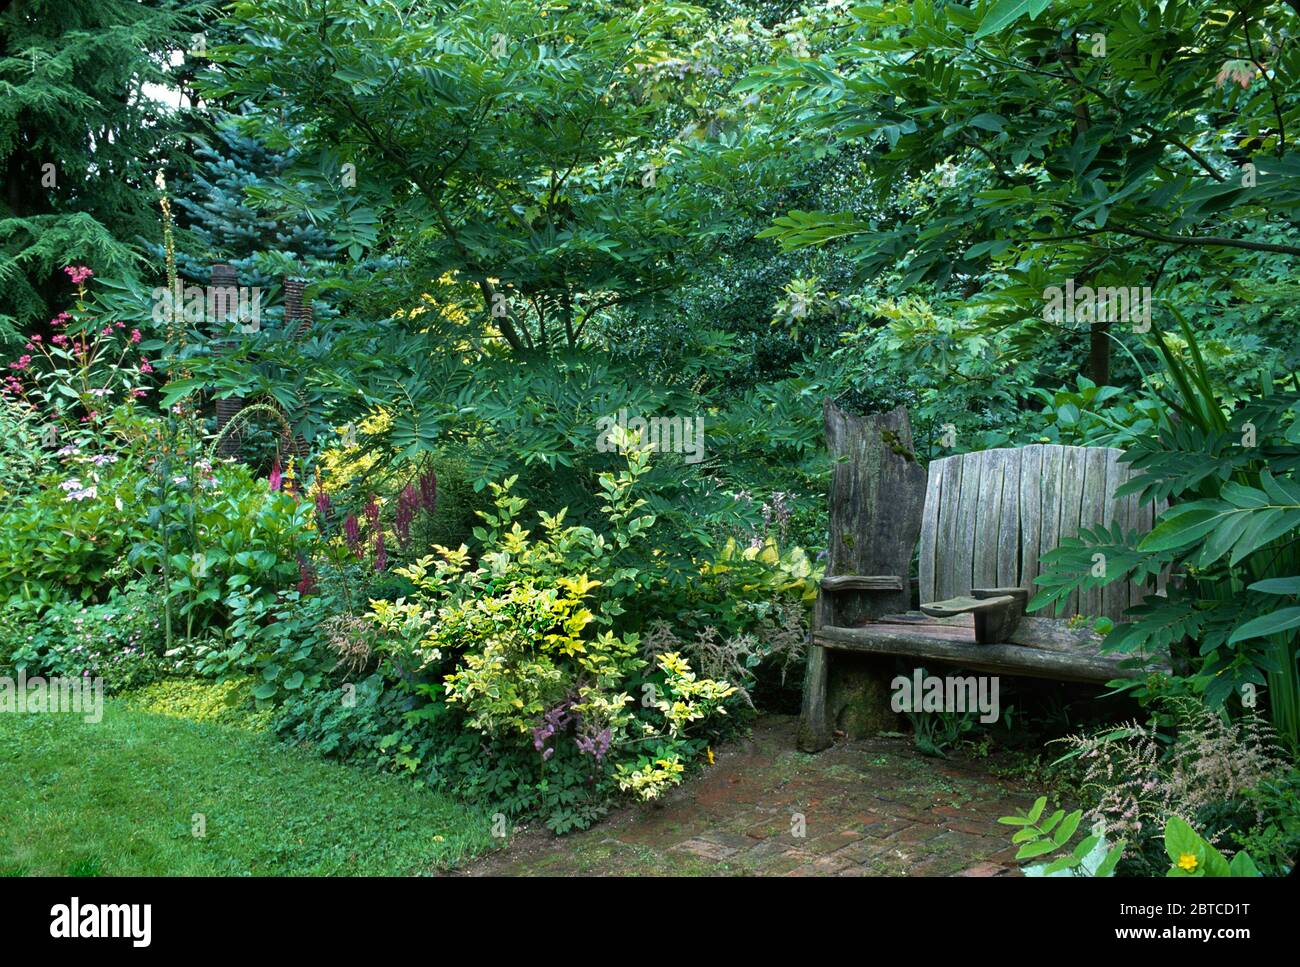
point(961, 554)
point(988, 517)
point(863, 582)
point(1009, 524)
point(955, 470)
point(1031, 513)
point(1049, 529)
point(926, 552)
point(1114, 596)
point(1096, 498)
point(814, 729)
point(1008, 659)
point(1072, 471)
point(876, 495)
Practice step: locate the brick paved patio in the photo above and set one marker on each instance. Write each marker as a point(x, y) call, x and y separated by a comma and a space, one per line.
point(862, 808)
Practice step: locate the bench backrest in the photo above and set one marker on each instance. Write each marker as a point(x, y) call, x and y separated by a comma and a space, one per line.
point(990, 515)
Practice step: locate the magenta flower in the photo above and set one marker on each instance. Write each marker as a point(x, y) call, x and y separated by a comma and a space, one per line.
point(381, 554)
point(306, 577)
point(322, 507)
point(78, 273)
point(135, 335)
point(144, 365)
point(352, 533)
point(275, 478)
point(408, 502)
point(429, 492)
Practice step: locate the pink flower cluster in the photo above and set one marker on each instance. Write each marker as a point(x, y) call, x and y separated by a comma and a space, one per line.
point(78, 273)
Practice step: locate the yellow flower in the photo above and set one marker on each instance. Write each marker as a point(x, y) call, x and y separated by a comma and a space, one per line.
point(1187, 862)
point(709, 750)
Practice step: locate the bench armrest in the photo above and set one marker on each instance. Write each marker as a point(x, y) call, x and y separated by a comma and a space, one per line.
point(997, 611)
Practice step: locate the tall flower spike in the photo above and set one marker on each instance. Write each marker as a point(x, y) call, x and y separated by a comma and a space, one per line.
point(352, 534)
point(429, 492)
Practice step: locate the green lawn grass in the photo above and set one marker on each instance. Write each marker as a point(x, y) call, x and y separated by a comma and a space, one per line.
point(119, 798)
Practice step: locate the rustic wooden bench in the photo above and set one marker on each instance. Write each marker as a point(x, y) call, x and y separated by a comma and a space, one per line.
point(983, 520)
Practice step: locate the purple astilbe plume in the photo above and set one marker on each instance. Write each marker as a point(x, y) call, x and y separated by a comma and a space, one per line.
point(429, 492)
point(553, 721)
point(408, 501)
point(306, 577)
point(381, 554)
point(595, 745)
point(322, 509)
point(352, 533)
point(372, 511)
point(276, 478)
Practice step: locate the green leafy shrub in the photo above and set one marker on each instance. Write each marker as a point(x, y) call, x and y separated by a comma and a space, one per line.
point(1191, 855)
point(1272, 835)
point(281, 639)
point(119, 640)
point(71, 528)
point(218, 536)
point(525, 648)
point(1228, 536)
point(22, 458)
point(1205, 768)
point(1048, 838)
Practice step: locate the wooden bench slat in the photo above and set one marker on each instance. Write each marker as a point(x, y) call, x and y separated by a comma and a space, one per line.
point(1031, 513)
point(955, 644)
point(863, 582)
point(1008, 569)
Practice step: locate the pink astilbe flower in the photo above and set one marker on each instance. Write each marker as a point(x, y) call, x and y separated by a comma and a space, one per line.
point(408, 501)
point(429, 492)
point(381, 553)
point(135, 336)
point(306, 577)
point(1137, 780)
point(78, 273)
point(144, 365)
point(276, 477)
point(322, 508)
point(352, 534)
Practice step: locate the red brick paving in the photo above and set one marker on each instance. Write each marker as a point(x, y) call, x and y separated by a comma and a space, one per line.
point(873, 807)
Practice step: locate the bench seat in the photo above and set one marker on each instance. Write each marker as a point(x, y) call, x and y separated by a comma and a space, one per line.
point(1038, 647)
